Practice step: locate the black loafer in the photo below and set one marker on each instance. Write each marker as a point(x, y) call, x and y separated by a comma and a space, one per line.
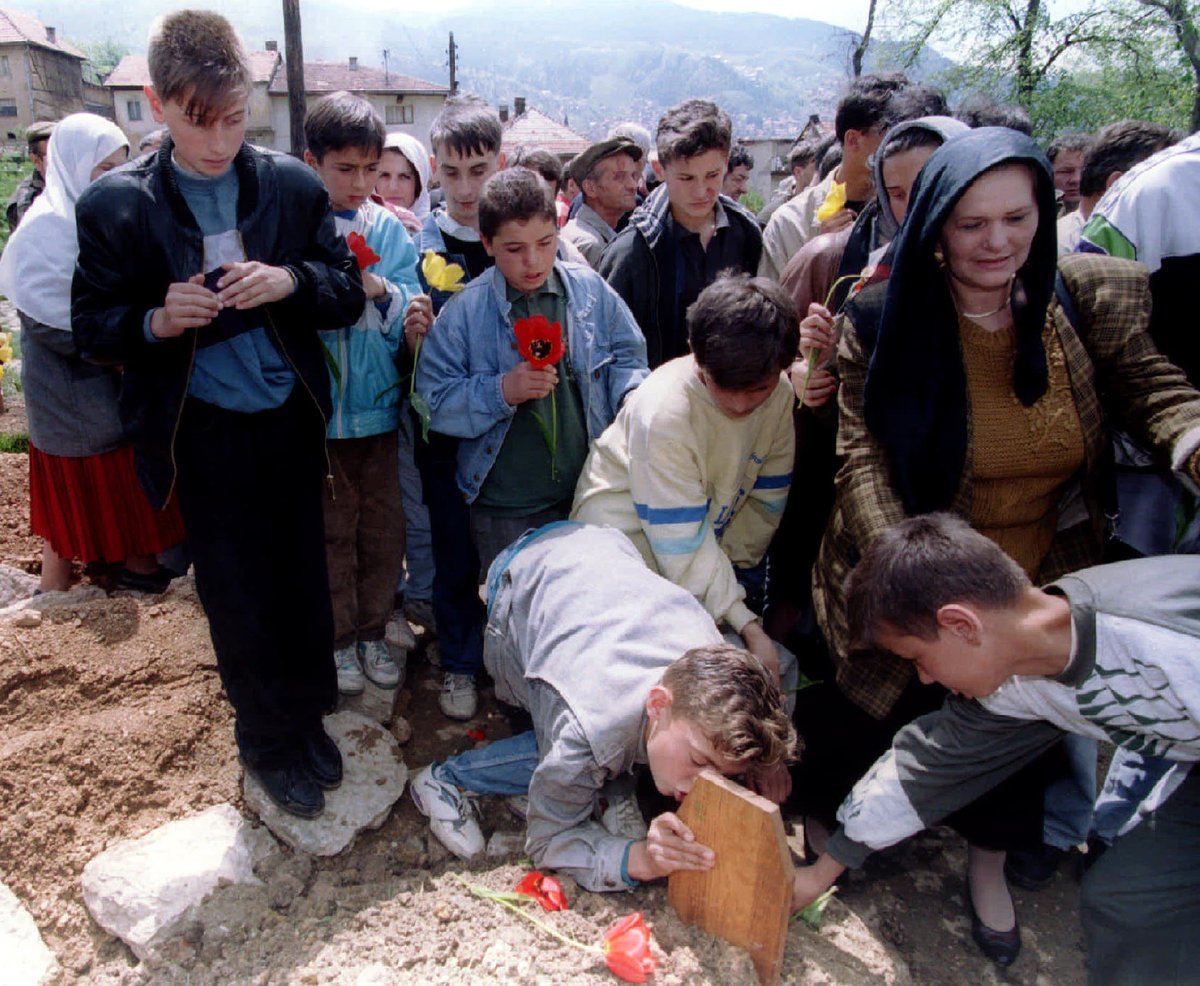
point(1002, 947)
point(293, 788)
point(154, 583)
point(323, 759)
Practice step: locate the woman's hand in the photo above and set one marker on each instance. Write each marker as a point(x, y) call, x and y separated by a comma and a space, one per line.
point(822, 385)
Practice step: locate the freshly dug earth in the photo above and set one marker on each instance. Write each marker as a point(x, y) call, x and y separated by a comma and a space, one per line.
point(112, 722)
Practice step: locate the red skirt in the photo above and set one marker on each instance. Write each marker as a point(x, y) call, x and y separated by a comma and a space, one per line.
point(93, 508)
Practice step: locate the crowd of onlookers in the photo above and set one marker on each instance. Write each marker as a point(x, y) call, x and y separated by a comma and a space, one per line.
point(685, 481)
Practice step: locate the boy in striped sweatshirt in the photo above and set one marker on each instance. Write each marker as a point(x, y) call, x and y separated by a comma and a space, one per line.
point(696, 467)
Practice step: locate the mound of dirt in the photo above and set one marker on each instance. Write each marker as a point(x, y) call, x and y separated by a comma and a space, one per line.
point(112, 722)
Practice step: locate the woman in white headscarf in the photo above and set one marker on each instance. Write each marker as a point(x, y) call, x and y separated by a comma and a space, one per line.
point(85, 501)
point(403, 181)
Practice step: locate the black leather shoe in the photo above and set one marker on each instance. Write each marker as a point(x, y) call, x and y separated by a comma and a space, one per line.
point(1032, 869)
point(1002, 947)
point(323, 759)
point(292, 788)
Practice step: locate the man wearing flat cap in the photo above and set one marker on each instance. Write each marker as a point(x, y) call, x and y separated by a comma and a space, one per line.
point(607, 173)
point(37, 136)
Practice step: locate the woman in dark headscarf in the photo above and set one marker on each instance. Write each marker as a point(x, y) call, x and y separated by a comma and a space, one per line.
point(972, 381)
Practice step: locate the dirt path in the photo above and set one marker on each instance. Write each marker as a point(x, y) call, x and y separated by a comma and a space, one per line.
point(112, 722)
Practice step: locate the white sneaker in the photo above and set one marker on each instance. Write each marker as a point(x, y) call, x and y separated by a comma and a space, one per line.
point(458, 699)
point(349, 672)
point(399, 634)
point(451, 815)
point(378, 664)
point(621, 816)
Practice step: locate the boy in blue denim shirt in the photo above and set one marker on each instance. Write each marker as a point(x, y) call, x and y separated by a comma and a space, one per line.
point(364, 519)
point(525, 429)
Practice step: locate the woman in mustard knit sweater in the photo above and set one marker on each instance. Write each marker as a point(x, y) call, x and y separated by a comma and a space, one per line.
point(979, 379)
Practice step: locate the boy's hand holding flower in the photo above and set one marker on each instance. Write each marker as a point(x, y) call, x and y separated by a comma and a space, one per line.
point(418, 319)
point(524, 383)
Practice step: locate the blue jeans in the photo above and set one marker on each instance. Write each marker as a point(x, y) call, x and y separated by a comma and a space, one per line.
point(504, 767)
point(417, 583)
point(1069, 800)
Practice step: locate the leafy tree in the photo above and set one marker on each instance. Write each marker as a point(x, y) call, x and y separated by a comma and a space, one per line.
point(103, 55)
point(1181, 18)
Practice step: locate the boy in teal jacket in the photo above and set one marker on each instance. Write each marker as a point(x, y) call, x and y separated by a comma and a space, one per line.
point(364, 519)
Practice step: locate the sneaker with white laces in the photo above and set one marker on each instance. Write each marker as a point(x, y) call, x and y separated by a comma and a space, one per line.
point(621, 816)
point(350, 679)
point(378, 664)
point(451, 815)
point(458, 699)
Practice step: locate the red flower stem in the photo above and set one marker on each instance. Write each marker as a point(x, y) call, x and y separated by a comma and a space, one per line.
point(487, 894)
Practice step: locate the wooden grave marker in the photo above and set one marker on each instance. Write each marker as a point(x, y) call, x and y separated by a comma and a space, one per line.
point(746, 898)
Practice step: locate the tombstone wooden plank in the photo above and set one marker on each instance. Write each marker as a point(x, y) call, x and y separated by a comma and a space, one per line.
point(746, 897)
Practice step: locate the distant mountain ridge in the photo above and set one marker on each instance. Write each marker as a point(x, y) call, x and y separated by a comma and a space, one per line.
point(590, 63)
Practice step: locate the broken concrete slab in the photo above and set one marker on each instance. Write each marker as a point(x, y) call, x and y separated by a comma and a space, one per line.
point(143, 890)
point(373, 780)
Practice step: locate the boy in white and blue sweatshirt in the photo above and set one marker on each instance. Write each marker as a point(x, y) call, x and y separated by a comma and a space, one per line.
point(364, 519)
point(1107, 652)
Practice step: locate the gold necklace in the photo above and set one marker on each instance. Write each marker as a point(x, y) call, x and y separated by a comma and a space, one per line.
point(976, 316)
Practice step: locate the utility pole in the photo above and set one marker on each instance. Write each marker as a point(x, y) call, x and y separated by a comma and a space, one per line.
point(386, 78)
point(453, 52)
point(294, 53)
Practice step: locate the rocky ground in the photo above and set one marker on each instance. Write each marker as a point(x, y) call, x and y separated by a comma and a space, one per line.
point(112, 722)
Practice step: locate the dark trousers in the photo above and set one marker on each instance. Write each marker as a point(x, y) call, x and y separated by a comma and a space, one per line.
point(364, 535)
point(493, 532)
point(456, 605)
point(841, 742)
point(250, 491)
point(1141, 900)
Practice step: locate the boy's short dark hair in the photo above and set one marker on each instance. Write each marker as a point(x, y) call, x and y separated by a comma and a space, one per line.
point(742, 329)
point(913, 101)
point(804, 152)
point(196, 55)
point(1068, 142)
point(342, 120)
point(981, 110)
point(1118, 147)
point(513, 195)
point(727, 694)
point(739, 157)
point(692, 128)
point(919, 565)
point(866, 103)
point(540, 160)
point(466, 125)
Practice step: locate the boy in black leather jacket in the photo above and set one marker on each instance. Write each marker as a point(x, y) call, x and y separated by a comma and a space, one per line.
point(206, 271)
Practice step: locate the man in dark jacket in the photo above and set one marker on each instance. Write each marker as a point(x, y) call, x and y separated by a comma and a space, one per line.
point(206, 270)
point(685, 233)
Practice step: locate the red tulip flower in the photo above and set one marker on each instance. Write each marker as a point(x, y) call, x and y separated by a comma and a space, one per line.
point(546, 890)
point(362, 253)
point(627, 949)
point(539, 341)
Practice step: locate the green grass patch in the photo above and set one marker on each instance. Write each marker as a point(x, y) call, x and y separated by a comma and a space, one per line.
point(17, 444)
point(12, 170)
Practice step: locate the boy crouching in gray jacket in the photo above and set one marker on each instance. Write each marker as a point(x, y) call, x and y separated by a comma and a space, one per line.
point(617, 667)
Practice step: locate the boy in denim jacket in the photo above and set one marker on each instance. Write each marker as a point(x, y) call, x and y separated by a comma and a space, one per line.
point(525, 430)
point(364, 519)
